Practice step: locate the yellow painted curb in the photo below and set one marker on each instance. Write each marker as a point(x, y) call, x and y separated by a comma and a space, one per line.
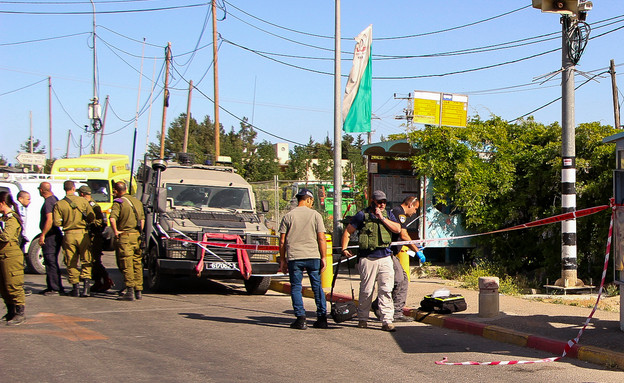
point(277, 286)
point(601, 356)
point(505, 335)
point(428, 318)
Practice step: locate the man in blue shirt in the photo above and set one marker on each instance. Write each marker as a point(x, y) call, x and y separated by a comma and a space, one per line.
point(375, 226)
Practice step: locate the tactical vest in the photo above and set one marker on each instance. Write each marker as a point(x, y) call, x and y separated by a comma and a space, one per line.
point(374, 234)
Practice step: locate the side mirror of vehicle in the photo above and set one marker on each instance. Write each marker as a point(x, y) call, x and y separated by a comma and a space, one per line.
point(265, 206)
point(162, 200)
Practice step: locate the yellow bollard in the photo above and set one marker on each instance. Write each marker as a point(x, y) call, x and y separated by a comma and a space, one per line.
point(328, 275)
point(404, 259)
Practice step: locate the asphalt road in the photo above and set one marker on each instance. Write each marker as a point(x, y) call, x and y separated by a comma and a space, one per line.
point(214, 332)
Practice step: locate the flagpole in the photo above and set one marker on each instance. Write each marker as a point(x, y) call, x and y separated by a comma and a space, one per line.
point(337, 232)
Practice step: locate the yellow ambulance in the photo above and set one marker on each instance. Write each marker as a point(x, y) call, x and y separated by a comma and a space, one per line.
point(100, 171)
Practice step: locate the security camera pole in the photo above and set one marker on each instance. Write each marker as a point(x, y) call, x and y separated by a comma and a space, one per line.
point(573, 12)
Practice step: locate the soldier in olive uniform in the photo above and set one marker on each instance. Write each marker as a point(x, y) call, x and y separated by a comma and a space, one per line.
point(74, 214)
point(101, 279)
point(11, 261)
point(127, 220)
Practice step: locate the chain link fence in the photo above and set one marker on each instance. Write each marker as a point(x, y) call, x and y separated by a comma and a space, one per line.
point(280, 195)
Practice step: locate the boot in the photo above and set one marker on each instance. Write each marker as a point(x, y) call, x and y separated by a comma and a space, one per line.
point(75, 291)
point(108, 283)
point(138, 295)
point(299, 324)
point(97, 286)
point(321, 322)
point(86, 288)
point(129, 295)
point(10, 312)
point(19, 317)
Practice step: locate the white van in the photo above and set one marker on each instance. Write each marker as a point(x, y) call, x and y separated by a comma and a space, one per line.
point(15, 182)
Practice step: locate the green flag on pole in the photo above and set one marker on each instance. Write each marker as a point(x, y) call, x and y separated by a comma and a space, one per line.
point(357, 102)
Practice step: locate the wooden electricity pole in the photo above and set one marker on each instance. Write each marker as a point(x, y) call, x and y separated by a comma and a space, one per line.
point(165, 101)
point(188, 117)
point(215, 67)
point(51, 154)
point(616, 104)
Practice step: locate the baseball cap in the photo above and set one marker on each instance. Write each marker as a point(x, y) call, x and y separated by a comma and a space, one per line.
point(305, 192)
point(378, 195)
point(84, 189)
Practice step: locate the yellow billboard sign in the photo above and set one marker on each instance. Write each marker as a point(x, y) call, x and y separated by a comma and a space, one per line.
point(434, 108)
point(426, 108)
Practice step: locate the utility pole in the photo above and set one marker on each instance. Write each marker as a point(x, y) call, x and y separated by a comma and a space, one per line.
point(574, 37)
point(165, 101)
point(569, 263)
point(100, 151)
point(68, 142)
point(409, 110)
point(337, 232)
point(50, 150)
point(94, 106)
point(32, 167)
point(616, 104)
point(188, 117)
point(215, 68)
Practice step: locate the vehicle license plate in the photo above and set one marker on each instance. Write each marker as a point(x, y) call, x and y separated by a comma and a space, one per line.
point(220, 265)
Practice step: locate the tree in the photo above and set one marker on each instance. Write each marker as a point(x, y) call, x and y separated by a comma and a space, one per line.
point(300, 161)
point(262, 165)
point(36, 144)
point(500, 175)
point(200, 139)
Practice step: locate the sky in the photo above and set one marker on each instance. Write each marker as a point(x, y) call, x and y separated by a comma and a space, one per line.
point(275, 65)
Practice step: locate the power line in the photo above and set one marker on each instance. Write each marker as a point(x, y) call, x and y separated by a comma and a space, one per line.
point(104, 12)
point(379, 38)
point(45, 39)
point(63, 107)
point(235, 116)
point(24, 87)
point(558, 98)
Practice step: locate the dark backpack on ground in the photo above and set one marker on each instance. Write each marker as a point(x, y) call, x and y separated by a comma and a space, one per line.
point(443, 305)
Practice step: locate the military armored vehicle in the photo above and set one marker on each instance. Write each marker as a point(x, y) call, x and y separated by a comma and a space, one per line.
point(186, 203)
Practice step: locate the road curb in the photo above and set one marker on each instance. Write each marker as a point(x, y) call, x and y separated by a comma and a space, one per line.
point(590, 354)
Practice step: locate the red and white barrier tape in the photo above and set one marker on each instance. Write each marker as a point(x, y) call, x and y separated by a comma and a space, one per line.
point(539, 222)
point(571, 342)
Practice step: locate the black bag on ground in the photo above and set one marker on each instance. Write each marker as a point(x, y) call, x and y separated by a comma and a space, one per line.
point(443, 305)
point(342, 310)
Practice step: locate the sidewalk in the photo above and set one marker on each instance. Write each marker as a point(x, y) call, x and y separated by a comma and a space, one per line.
point(524, 322)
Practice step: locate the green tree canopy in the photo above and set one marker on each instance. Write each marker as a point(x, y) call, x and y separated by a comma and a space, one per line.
point(500, 175)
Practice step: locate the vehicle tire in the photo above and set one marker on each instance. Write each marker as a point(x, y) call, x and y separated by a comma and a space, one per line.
point(155, 281)
point(34, 258)
point(257, 285)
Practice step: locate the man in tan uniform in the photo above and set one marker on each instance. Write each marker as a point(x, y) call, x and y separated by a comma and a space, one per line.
point(73, 214)
point(127, 219)
point(100, 277)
